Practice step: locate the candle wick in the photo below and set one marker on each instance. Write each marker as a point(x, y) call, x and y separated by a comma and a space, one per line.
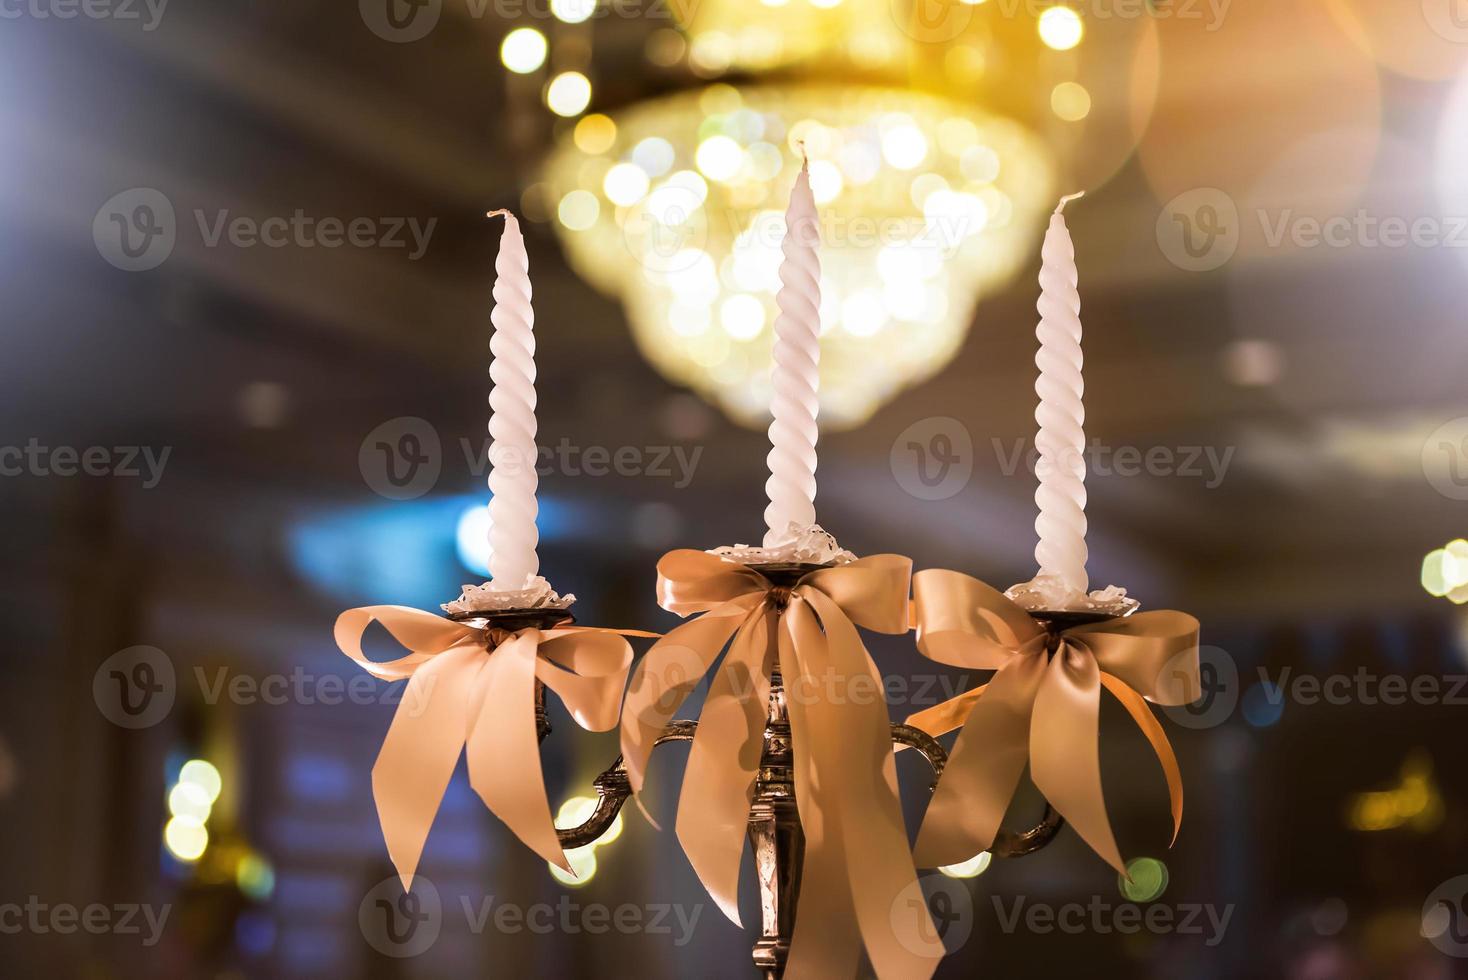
point(1067, 199)
point(497, 212)
point(804, 157)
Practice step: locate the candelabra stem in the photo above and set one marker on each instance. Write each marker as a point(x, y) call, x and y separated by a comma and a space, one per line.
point(776, 838)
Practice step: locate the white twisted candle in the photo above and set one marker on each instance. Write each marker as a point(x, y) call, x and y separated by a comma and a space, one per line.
point(1061, 414)
point(512, 480)
point(792, 459)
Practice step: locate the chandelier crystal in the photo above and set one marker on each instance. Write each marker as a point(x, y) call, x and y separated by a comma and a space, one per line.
point(926, 204)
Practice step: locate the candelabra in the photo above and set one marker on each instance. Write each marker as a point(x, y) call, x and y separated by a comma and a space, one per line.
point(775, 833)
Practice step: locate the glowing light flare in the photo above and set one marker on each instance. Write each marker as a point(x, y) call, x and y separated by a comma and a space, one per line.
point(523, 50)
point(625, 184)
point(568, 94)
point(742, 316)
point(190, 800)
point(1060, 28)
point(971, 868)
point(1149, 879)
point(719, 157)
point(904, 146)
point(1070, 101)
point(572, 11)
point(186, 838)
point(825, 181)
point(583, 867)
point(595, 134)
point(578, 210)
point(204, 775)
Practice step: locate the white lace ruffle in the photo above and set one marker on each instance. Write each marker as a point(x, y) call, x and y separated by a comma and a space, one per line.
point(805, 545)
point(1048, 593)
point(537, 594)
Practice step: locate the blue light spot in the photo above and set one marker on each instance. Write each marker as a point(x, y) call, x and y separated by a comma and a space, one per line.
point(1263, 704)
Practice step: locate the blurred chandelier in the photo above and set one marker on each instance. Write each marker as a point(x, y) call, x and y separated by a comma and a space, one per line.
point(674, 203)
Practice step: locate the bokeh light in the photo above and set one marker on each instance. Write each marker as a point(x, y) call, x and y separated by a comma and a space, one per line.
point(971, 868)
point(185, 838)
point(523, 50)
point(204, 775)
point(1060, 28)
point(1148, 880)
point(568, 94)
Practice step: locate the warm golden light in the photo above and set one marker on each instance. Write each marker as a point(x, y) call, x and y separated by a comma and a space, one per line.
point(1445, 572)
point(1061, 28)
point(572, 11)
point(1070, 101)
point(203, 775)
point(185, 838)
point(625, 184)
point(971, 868)
point(595, 134)
point(568, 93)
point(523, 50)
point(926, 203)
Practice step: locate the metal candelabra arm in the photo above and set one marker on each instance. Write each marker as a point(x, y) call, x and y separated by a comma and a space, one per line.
point(613, 790)
point(1006, 843)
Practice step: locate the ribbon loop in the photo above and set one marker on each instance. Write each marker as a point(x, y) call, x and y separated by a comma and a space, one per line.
point(855, 869)
point(1042, 706)
point(472, 690)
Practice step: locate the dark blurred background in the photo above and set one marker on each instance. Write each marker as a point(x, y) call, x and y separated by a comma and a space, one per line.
point(246, 280)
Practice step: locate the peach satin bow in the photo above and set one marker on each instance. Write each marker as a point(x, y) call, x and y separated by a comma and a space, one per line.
point(1041, 707)
point(858, 885)
point(473, 689)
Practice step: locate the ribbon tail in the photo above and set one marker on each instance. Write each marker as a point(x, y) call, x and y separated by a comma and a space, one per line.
point(943, 718)
point(668, 673)
point(718, 782)
point(420, 752)
point(1136, 706)
point(504, 750)
point(1065, 753)
point(826, 941)
point(856, 779)
point(983, 770)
